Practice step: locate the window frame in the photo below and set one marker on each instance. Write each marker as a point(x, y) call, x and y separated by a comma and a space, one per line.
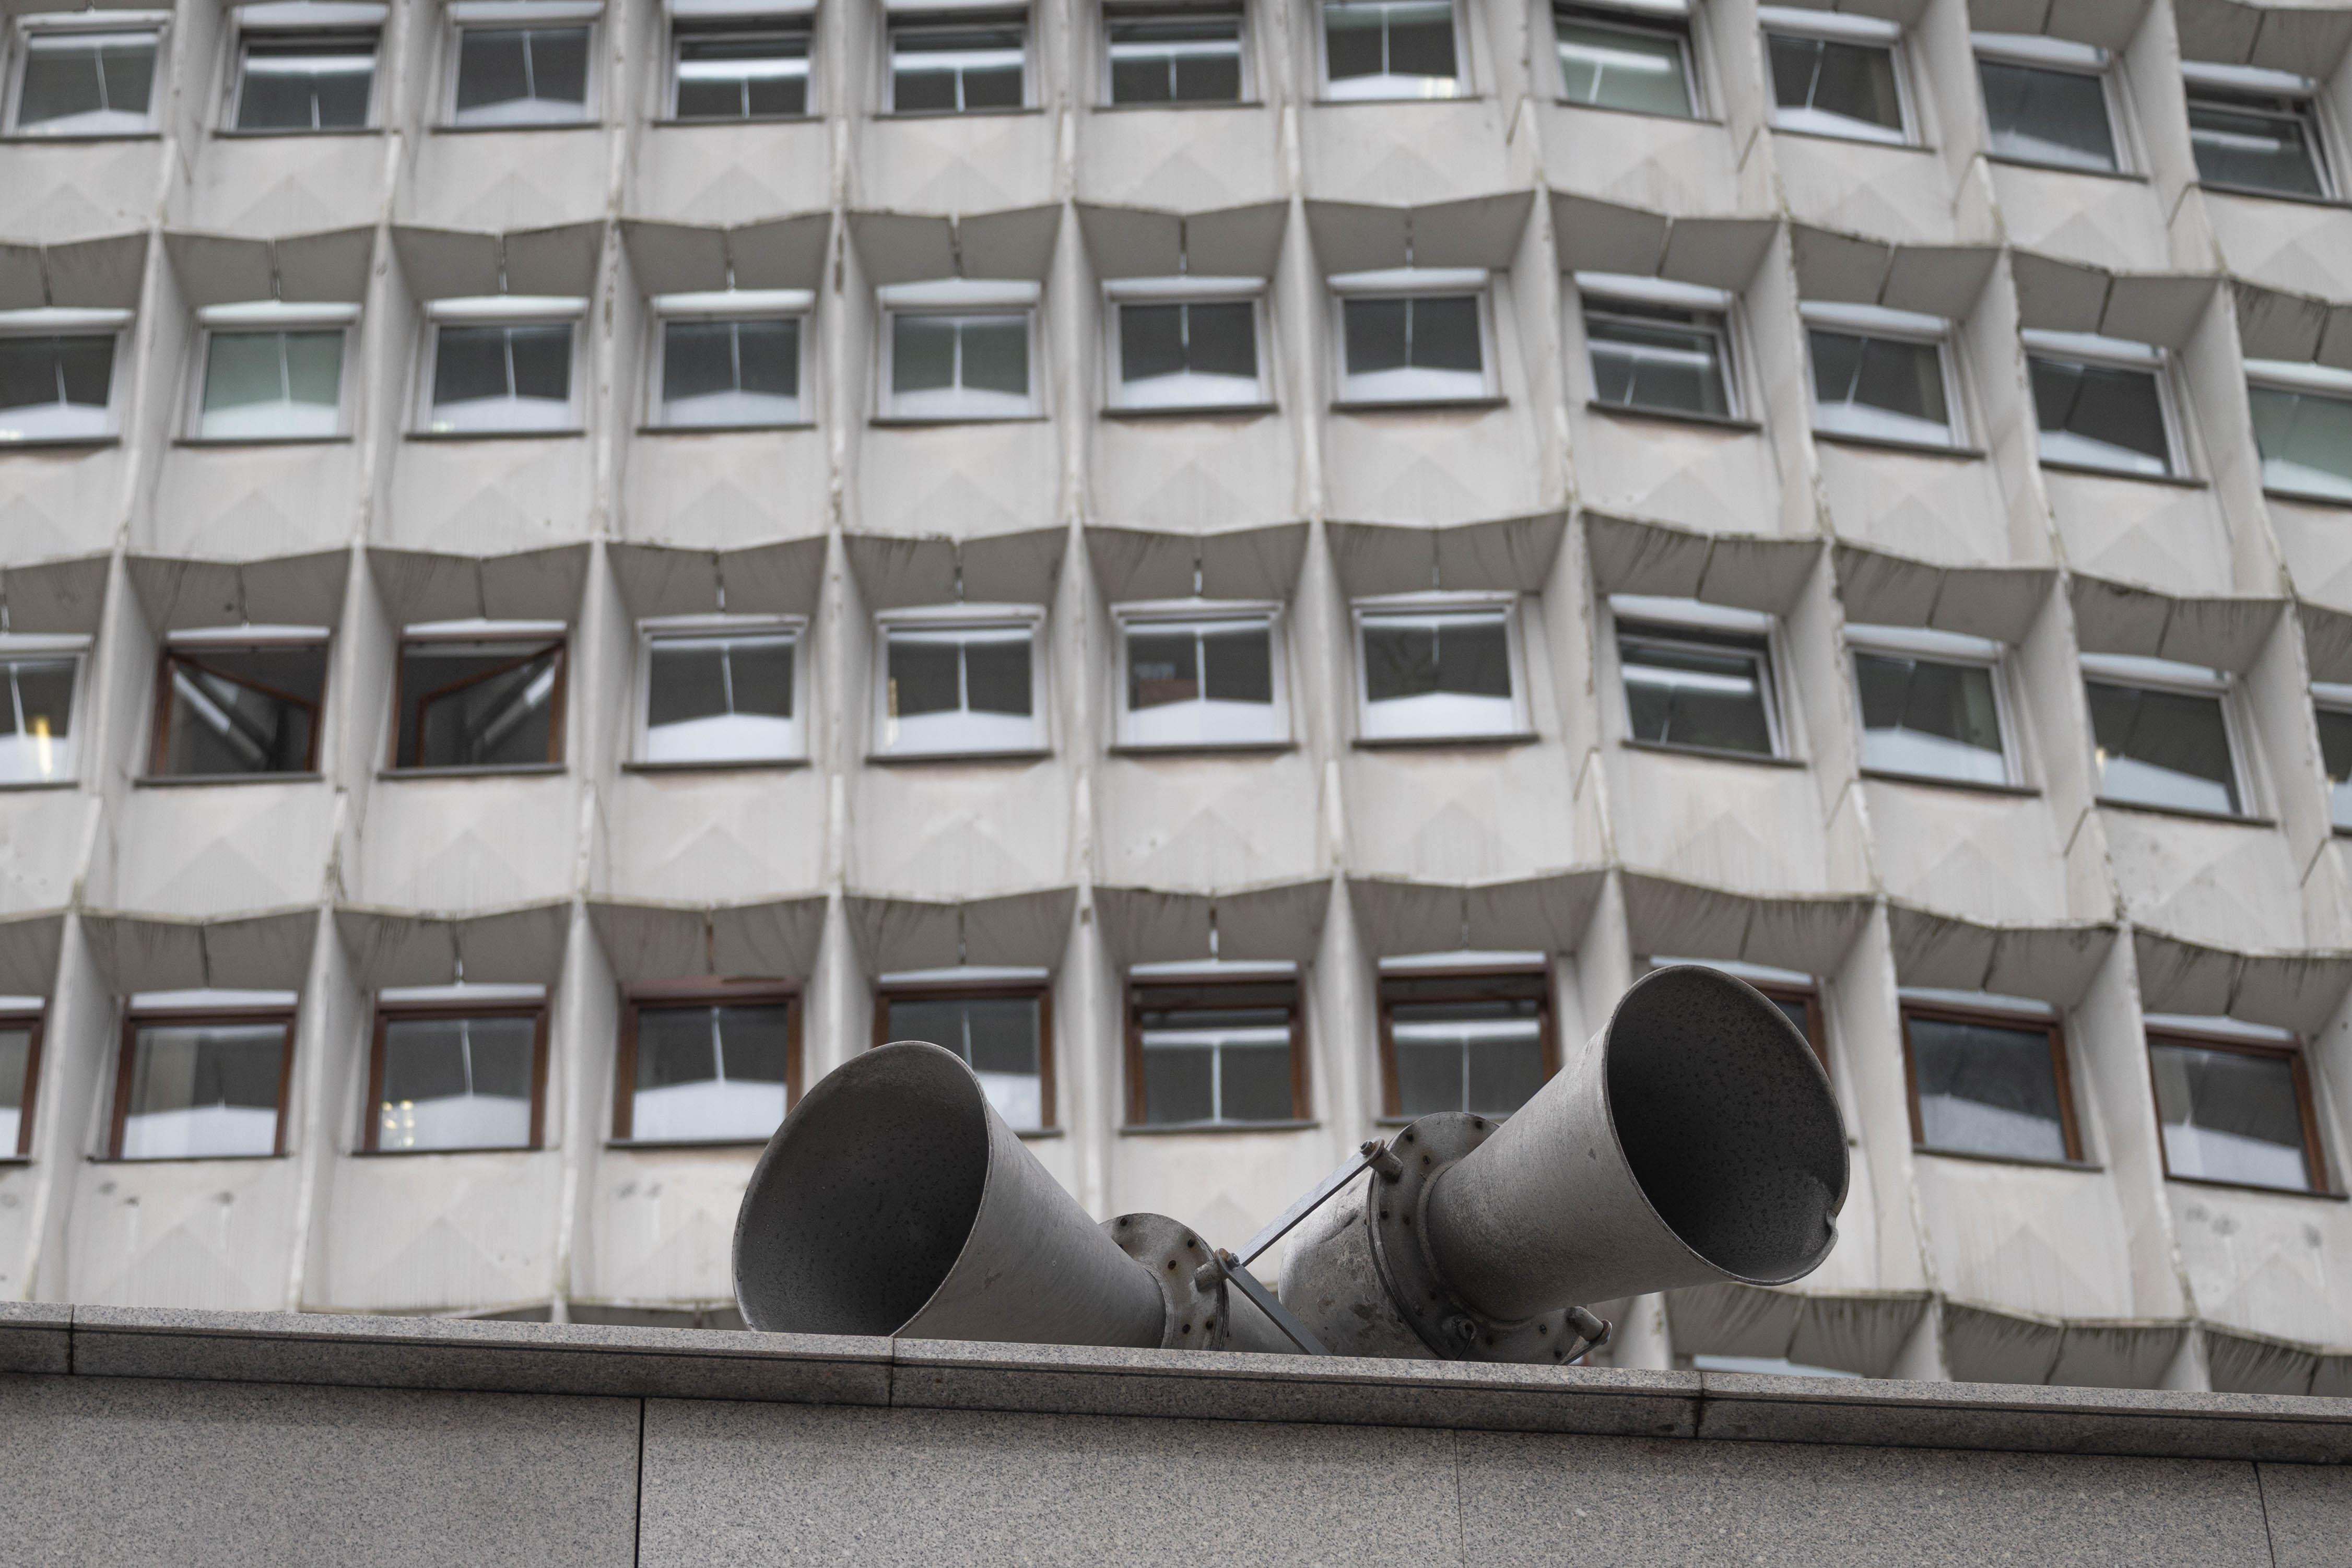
point(1951, 648)
point(1196, 612)
point(1844, 27)
point(501, 311)
point(2294, 1052)
point(1658, 620)
point(75, 321)
point(2096, 351)
point(976, 617)
point(264, 318)
point(956, 296)
point(38, 645)
point(2063, 56)
point(516, 16)
point(2200, 77)
point(77, 24)
point(1411, 283)
point(1607, 289)
point(1039, 987)
point(1174, 10)
point(245, 32)
point(2053, 1024)
point(34, 1020)
point(656, 996)
point(372, 1124)
point(171, 649)
point(948, 16)
point(559, 638)
point(1675, 21)
point(2330, 697)
point(1326, 91)
point(2304, 378)
point(783, 22)
point(1874, 321)
point(1207, 985)
point(127, 1059)
point(1463, 979)
point(2148, 674)
point(1441, 601)
point(652, 629)
point(734, 307)
point(1122, 292)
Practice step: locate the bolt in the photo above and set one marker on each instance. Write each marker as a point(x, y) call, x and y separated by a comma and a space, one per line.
point(1171, 1265)
point(1184, 1328)
point(1463, 1329)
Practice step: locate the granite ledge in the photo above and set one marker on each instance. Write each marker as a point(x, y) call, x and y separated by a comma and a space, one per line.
point(36, 1337)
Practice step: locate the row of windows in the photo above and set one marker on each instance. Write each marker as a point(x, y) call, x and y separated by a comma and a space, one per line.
point(2046, 100)
point(959, 349)
point(720, 1062)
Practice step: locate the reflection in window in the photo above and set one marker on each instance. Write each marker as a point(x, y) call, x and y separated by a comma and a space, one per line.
point(231, 710)
point(959, 687)
point(2162, 747)
point(956, 68)
point(510, 377)
point(1612, 61)
point(2037, 114)
point(1692, 687)
point(974, 366)
point(2233, 1114)
point(1987, 1086)
point(203, 1088)
point(2267, 142)
point(37, 694)
point(719, 373)
point(522, 76)
point(1929, 719)
point(86, 84)
point(1390, 48)
point(2335, 753)
point(1473, 1043)
point(708, 1072)
point(1201, 683)
point(1660, 357)
point(319, 83)
point(19, 1065)
point(720, 696)
point(2305, 435)
point(2100, 415)
point(1214, 1054)
point(731, 75)
point(263, 386)
point(1000, 1037)
point(1412, 348)
point(1188, 53)
point(1889, 388)
point(488, 703)
point(465, 1081)
point(1188, 353)
point(56, 387)
point(1437, 674)
point(1835, 87)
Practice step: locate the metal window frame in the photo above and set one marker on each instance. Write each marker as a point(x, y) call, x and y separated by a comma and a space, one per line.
point(1682, 28)
point(801, 25)
point(76, 23)
point(2314, 1152)
point(2274, 376)
point(1660, 627)
point(1120, 293)
point(2052, 1025)
point(683, 995)
point(886, 394)
point(14, 646)
point(657, 323)
point(193, 419)
point(245, 37)
point(1204, 989)
point(1853, 324)
point(655, 628)
point(2312, 112)
point(560, 641)
point(1037, 988)
point(35, 1021)
point(1346, 393)
point(1176, 10)
point(111, 324)
point(1192, 613)
point(896, 22)
point(2061, 57)
point(1464, 981)
point(2219, 685)
point(1863, 639)
point(372, 1122)
point(1846, 27)
point(1465, 79)
point(974, 617)
point(1395, 606)
point(176, 651)
point(429, 364)
point(2330, 697)
point(126, 1070)
point(1597, 300)
point(592, 89)
point(2158, 361)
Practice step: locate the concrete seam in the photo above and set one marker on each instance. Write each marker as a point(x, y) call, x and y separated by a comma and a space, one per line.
point(1461, 1525)
point(2262, 1500)
point(638, 1526)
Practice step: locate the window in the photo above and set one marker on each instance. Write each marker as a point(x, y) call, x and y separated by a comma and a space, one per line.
point(1465, 1041)
point(501, 365)
point(489, 696)
point(272, 372)
point(1201, 675)
point(458, 1075)
point(1210, 1055)
point(1609, 60)
point(708, 1063)
point(2162, 731)
point(1391, 48)
point(1989, 1081)
point(720, 690)
point(40, 681)
point(1180, 54)
point(2257, 131)
point(960, 66)
point(2046, 102)
point(1882, 374)
point(87, 82)
point(1701, 682)
point(2303, 427)
point(534, 74)
point(1000, 1024)
point(1931, 705)
point(242, 701)
point(2234, 1104)
point(204, 1082)
point(740, 70)
point(1186, 342)
point(1657, 345)
point(2101, 404)
point(20, 1073)
point(291, 80)
point(2332, 708)
point(1438, 667)
point(729, 360)
point(57, 374)
point(960, 682)
point(1413, 335)
point(1835, 75)
point(957, 350)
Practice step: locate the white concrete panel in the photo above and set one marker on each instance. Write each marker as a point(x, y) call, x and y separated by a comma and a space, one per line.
point(1901, 194)
point(730, 837)
point(1932, 508)
point(2270, 1264)
point(1206, 159)
point(1691, 475)
point(41, 833)
point(1998, 858)
point(954, 163)
point(1718, 823)
point(199, 851)
point(2113, 225)
point(2167, 536)
point(2214, 883)
point(485, 496)
point(439, 1232)
point(243, 502)
point(504, 180)
point(2287, 245)
point(285, 185)
point(1444, 466)
point(78, 190)
point(59, 503)
point(202, 1233)
point(726, 173)
point(725, 489)
point(465, 843)
point(1194, 474)
point(1461, 816)
point(1652, 161)
point(662, 1224)
point(956, 480)
point(2048, 1242)
point(949, 830)
point(1415, 153)
point(1208, 822)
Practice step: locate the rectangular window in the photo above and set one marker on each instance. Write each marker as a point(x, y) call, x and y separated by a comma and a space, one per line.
point(1880, 374)
point(2332, 708)
point(1413, 335)
point(2162, 733)
point(1391, 48)
point(85, 83)
point(489, 699)
point(707, 1064)
point(724, 72)
point(2256, 130)
point(730, 361)
point(20, 1077)
point(960, 66)
point(1186, 342)
point(1002, 1027)
point(40, 678)
point(957, 350)
point(2236, 1110)
point(202, 1085)
point(1198, 677)
point(2102, 402)
point(1611, 60)
point(961, 684)
point(1180, 54)
point(457, 1078)
point(57, 374)
point(1702, 684)
point(272, 372)
point(1476, 1042)
point(2046, 102)
point(296, 81)
point(721, 692)
point(2303, 427)
point(1931, 705)
point(1217, 1054)
point(1660, 346)
point(1989, 1081)
point(1438, 667)
point(236, 705)
point(524, 76)
point(1836, 74)
point(492, 376)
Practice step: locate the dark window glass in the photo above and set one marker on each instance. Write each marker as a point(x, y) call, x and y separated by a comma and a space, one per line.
point(1179, 56)
point(1215, 1054)
point(262, 386)
point(521, 76)
point(1424, 331)
point(487, 704)
point(1467, 655)
point(1930, 719)
point(242, 710)
point(54, 387)
point(86, 83)
point(2044, 116)
point(458, 1082)
point(1203, 683)
point(957, 69)
point(37, 719)
point(1889, 387)
point(731, 373)
point(2104, 416)
point(2336, 751)
point(710, 1072)
point(1190, 341)
point(2305, 440)
point(1658, 357)
point(503, 378)
point(1390, 48)
point(1480, 1048)
point(1987, 1087)
point(2255, 141)
point(1613, 62)
point(719, 699)
point(983, 671)
point(202, 1089)
point(15, 1086)
point(1834, 86)
point(743, 76)
point(2159, 748)
point(960, 366)
point(2231, 1115)
point(1696, 688)
point(1000, 1037)
point(306, 84)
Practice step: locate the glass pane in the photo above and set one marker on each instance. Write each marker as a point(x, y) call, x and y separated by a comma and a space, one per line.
point(559, 65)
point(2162, 748)
point(2047, 116)
point(15, 1062)
point(2253, 142)
point(742, 77)
point(1221, 340)
point(243, 710)
point(1254, 1082)
point(469, 365)
point(1935, 720)
point(948, 69)
point(1178, 1081)
point(1376, 334)
point(1237, 663)
point(1162, 667)
point(1689, 694)
point(1986, 1090)
point(2335, 752)
point(1505, 1073)
point(698, 360)
point(54, 387)
point(2305, 440)
point(1885, 386)
point(493, 69)
point(1150, 341)
point(709, 1072)
point(203, 1090)
point(35, 721)
point(477, 704)
point(2105, 416)
point(1421, 39)
point(1174, 59)
point(996, 354)
point(306, 84)
point(457, 1083)
point(1429, 1076)
point(542, 361)
point(2229, 1115)
point(923, 353)
point(1623, 68)
point(264, 385)
point(996, 673)
point(92, 83)
point(925, 676)
point(1400, 660)
point(1442, 330)
point(1843, 89)
point(1668, 360)
point(768, 357)
point(1482, 1055)
point(1354, 39)
point(714, 700)
point(998, 1037)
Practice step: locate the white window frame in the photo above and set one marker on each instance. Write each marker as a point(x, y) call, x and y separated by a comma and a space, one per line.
point(1941, 648)
point(968, 617)
point(1606, 287)
point(2256, 80)
point(1644, 18)
point(919, 14)
point(2196, 680)
point(1840, 27)
point(48, 321)
point(1411, 283)
point(499, 311)
point(729, 305)
point(2300, 376)
point(1896, 326)
point(1668, 615)
point(738, 18)
point(1124, 291)
point(75, 24)
point(955, 296)
point(2336, 697)
point(263, 318)
point(25, 645)
point(1191, 613)
point(662, 627)
point(1177, 10)
point(1410, 606)
point(2075, 59)
point(317, 21)
point(1464, 83)
point(503, 14)
point(2115, 353)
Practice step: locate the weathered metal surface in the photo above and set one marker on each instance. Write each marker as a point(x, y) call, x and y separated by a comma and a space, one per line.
point(1203, 1312)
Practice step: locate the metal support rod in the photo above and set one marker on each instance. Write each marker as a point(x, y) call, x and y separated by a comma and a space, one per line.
point(1264, 1300)
point(1368, 1155)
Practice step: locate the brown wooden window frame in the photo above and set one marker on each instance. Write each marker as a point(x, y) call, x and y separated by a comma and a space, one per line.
point(561, 642)
point(159, 736)
point(127, 1059)
point(28, 1094)
point(1205, 990)
point(1464, 981)
point(961, 990)
point(2050, 1024)
point(1816, 1031)
point(370, 1119)
point(2315, 1154)
point(683, 994)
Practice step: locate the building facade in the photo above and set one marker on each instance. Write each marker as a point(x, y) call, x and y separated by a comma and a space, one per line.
point(565, 566)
